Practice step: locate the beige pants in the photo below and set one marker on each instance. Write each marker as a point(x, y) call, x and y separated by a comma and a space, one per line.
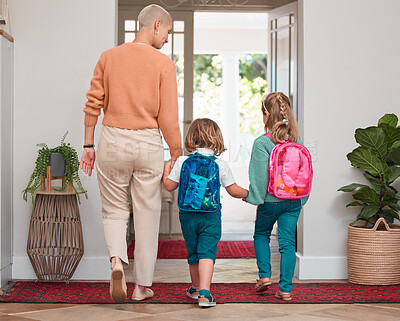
point(129, 168)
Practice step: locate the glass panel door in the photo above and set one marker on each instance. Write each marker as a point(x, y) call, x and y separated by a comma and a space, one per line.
point(282, 30)
point(179, 48)
point(282, 58)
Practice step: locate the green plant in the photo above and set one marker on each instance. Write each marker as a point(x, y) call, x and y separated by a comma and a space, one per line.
point(71, 168)
point(379, 157)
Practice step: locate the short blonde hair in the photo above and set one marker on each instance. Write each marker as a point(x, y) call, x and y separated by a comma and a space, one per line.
point(204, 133)
point(151, 13)
point(281, 122)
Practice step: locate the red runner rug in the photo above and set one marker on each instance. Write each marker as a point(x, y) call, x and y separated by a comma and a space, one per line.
point(176, 249)
point(172, 293)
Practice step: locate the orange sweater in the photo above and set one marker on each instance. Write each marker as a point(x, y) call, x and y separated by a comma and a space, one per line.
point(136, 86)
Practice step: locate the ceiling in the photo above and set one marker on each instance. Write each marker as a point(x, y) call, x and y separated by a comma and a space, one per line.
point(210, 5)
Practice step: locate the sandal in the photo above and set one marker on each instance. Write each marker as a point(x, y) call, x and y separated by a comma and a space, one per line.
point(118, 285)
point(192, 293)
point(283, 295)
point(262, 286)
point(143, 296)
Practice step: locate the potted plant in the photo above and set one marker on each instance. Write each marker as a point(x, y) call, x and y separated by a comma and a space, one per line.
point(373, 249)
point(64, 159)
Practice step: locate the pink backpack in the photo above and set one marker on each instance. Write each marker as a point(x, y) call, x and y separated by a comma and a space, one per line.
point(290, 171)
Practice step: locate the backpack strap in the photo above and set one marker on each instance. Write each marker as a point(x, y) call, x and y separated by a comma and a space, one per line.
point(268, 135)
point(198, 154)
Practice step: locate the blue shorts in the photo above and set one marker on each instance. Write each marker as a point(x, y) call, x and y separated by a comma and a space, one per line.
point(202, 232)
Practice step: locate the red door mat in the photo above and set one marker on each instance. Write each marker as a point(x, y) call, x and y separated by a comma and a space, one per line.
point(172, 293)
point(176, 249)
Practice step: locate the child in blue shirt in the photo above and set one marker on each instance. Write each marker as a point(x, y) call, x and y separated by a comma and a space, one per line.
point(202, 230)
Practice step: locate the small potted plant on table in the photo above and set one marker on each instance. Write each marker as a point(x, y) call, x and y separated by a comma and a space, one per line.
point(64, 163)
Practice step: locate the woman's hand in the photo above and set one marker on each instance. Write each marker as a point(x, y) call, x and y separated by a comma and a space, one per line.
point(168, 168)
point(87, 160)
point(169, 184)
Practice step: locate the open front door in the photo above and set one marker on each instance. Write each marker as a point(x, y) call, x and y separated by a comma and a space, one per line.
point(282, 57)
point(282, 49)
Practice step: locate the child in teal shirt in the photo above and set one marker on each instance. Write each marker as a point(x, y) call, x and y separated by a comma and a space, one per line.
point(279, 121)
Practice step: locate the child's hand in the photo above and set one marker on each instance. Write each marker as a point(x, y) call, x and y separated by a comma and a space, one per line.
point(246, 193)
point(236, 191)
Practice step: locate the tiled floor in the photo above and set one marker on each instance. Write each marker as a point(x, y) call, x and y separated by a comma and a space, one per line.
point(226, 270)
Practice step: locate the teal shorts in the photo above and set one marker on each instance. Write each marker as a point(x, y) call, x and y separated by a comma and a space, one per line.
point(202, 232)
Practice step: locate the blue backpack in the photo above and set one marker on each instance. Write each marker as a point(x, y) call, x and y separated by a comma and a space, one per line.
point(199, 185)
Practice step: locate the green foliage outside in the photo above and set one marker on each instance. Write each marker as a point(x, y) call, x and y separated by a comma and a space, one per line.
point(253, 67)
point(207, 68)
point(253, 72)
point(207, 80)
point(251, 93)
point(179, 62)
point(378, 156)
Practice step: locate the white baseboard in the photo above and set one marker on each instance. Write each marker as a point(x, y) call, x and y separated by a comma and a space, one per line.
point(237, 227)
point(98, 268)
point(89, 268)
point(321, 268)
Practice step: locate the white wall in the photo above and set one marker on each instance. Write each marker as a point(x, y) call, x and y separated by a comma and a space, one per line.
point(57, 44)
point(351, 79)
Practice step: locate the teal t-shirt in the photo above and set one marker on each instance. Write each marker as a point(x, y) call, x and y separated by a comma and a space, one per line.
point(258, 172)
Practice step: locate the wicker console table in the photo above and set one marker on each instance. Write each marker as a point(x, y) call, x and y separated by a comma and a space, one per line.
point(55, 240)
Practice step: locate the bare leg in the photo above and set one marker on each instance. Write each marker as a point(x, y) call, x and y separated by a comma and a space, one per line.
point(206, 269)
point(194, 275)
point(140, 289)
point(116, 262)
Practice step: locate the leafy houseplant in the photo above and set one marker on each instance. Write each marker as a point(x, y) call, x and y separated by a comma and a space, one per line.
point(379, 157)
point(71, 168)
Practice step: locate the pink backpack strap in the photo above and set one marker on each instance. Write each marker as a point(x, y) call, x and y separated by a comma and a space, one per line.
point(269, 135)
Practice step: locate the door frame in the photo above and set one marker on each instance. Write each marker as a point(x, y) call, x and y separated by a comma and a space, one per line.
point(285, 10)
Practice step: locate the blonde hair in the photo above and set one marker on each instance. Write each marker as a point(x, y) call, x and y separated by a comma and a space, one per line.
point(281, 122)
point(152, 13)
point(204, 133)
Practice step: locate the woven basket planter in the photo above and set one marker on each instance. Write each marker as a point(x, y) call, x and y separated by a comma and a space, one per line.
point(373, 255)
point(55, 240)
